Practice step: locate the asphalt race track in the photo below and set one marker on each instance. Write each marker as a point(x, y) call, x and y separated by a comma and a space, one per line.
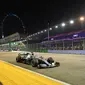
point(71, 70)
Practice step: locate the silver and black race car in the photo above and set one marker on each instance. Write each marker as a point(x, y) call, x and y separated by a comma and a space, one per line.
point(36, 61)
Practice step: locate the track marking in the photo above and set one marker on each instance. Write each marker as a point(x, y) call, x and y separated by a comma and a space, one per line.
point(37, 73)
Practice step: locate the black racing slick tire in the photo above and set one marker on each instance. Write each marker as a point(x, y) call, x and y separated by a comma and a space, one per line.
point(50, 60)
point(33, 63)
point(28, 62)
point(57, 64)
point(17, 60)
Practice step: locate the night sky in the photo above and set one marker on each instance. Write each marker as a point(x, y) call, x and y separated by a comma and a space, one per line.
point(36, 14)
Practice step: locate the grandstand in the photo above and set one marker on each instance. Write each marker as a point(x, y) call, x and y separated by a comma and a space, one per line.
point(68, 41)
point(10, 38)
point(69, 35)
point(13, 42)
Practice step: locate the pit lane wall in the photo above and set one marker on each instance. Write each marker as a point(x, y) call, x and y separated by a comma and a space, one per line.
point(67, 51)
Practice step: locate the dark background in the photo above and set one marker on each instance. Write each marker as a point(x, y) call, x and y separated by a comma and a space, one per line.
point(36, 14)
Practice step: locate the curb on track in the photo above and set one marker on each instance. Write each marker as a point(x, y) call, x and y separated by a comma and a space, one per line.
point(38, 73)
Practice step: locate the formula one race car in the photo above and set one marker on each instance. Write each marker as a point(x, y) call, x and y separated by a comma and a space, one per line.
point(36, 61)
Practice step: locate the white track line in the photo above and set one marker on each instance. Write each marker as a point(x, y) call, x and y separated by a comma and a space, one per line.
point(38, 73)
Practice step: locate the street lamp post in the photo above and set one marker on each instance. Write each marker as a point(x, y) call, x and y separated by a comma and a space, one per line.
point(82, 19)
point(48, 31)
point(72, 44)
point(63, 44)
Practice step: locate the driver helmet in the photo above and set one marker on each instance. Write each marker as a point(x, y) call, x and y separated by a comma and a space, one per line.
point(27, 53)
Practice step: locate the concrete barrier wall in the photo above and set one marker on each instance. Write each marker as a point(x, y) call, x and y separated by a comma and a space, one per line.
point(67, 51)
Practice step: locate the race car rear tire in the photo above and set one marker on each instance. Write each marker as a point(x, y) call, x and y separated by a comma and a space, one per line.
point(17, 60)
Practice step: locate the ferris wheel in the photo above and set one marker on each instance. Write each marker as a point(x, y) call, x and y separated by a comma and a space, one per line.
point(14, 15)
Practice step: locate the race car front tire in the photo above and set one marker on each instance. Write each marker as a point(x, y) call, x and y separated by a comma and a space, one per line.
point(33, 63)
point(28, 62)
point(50, 60)
point(57, 64)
